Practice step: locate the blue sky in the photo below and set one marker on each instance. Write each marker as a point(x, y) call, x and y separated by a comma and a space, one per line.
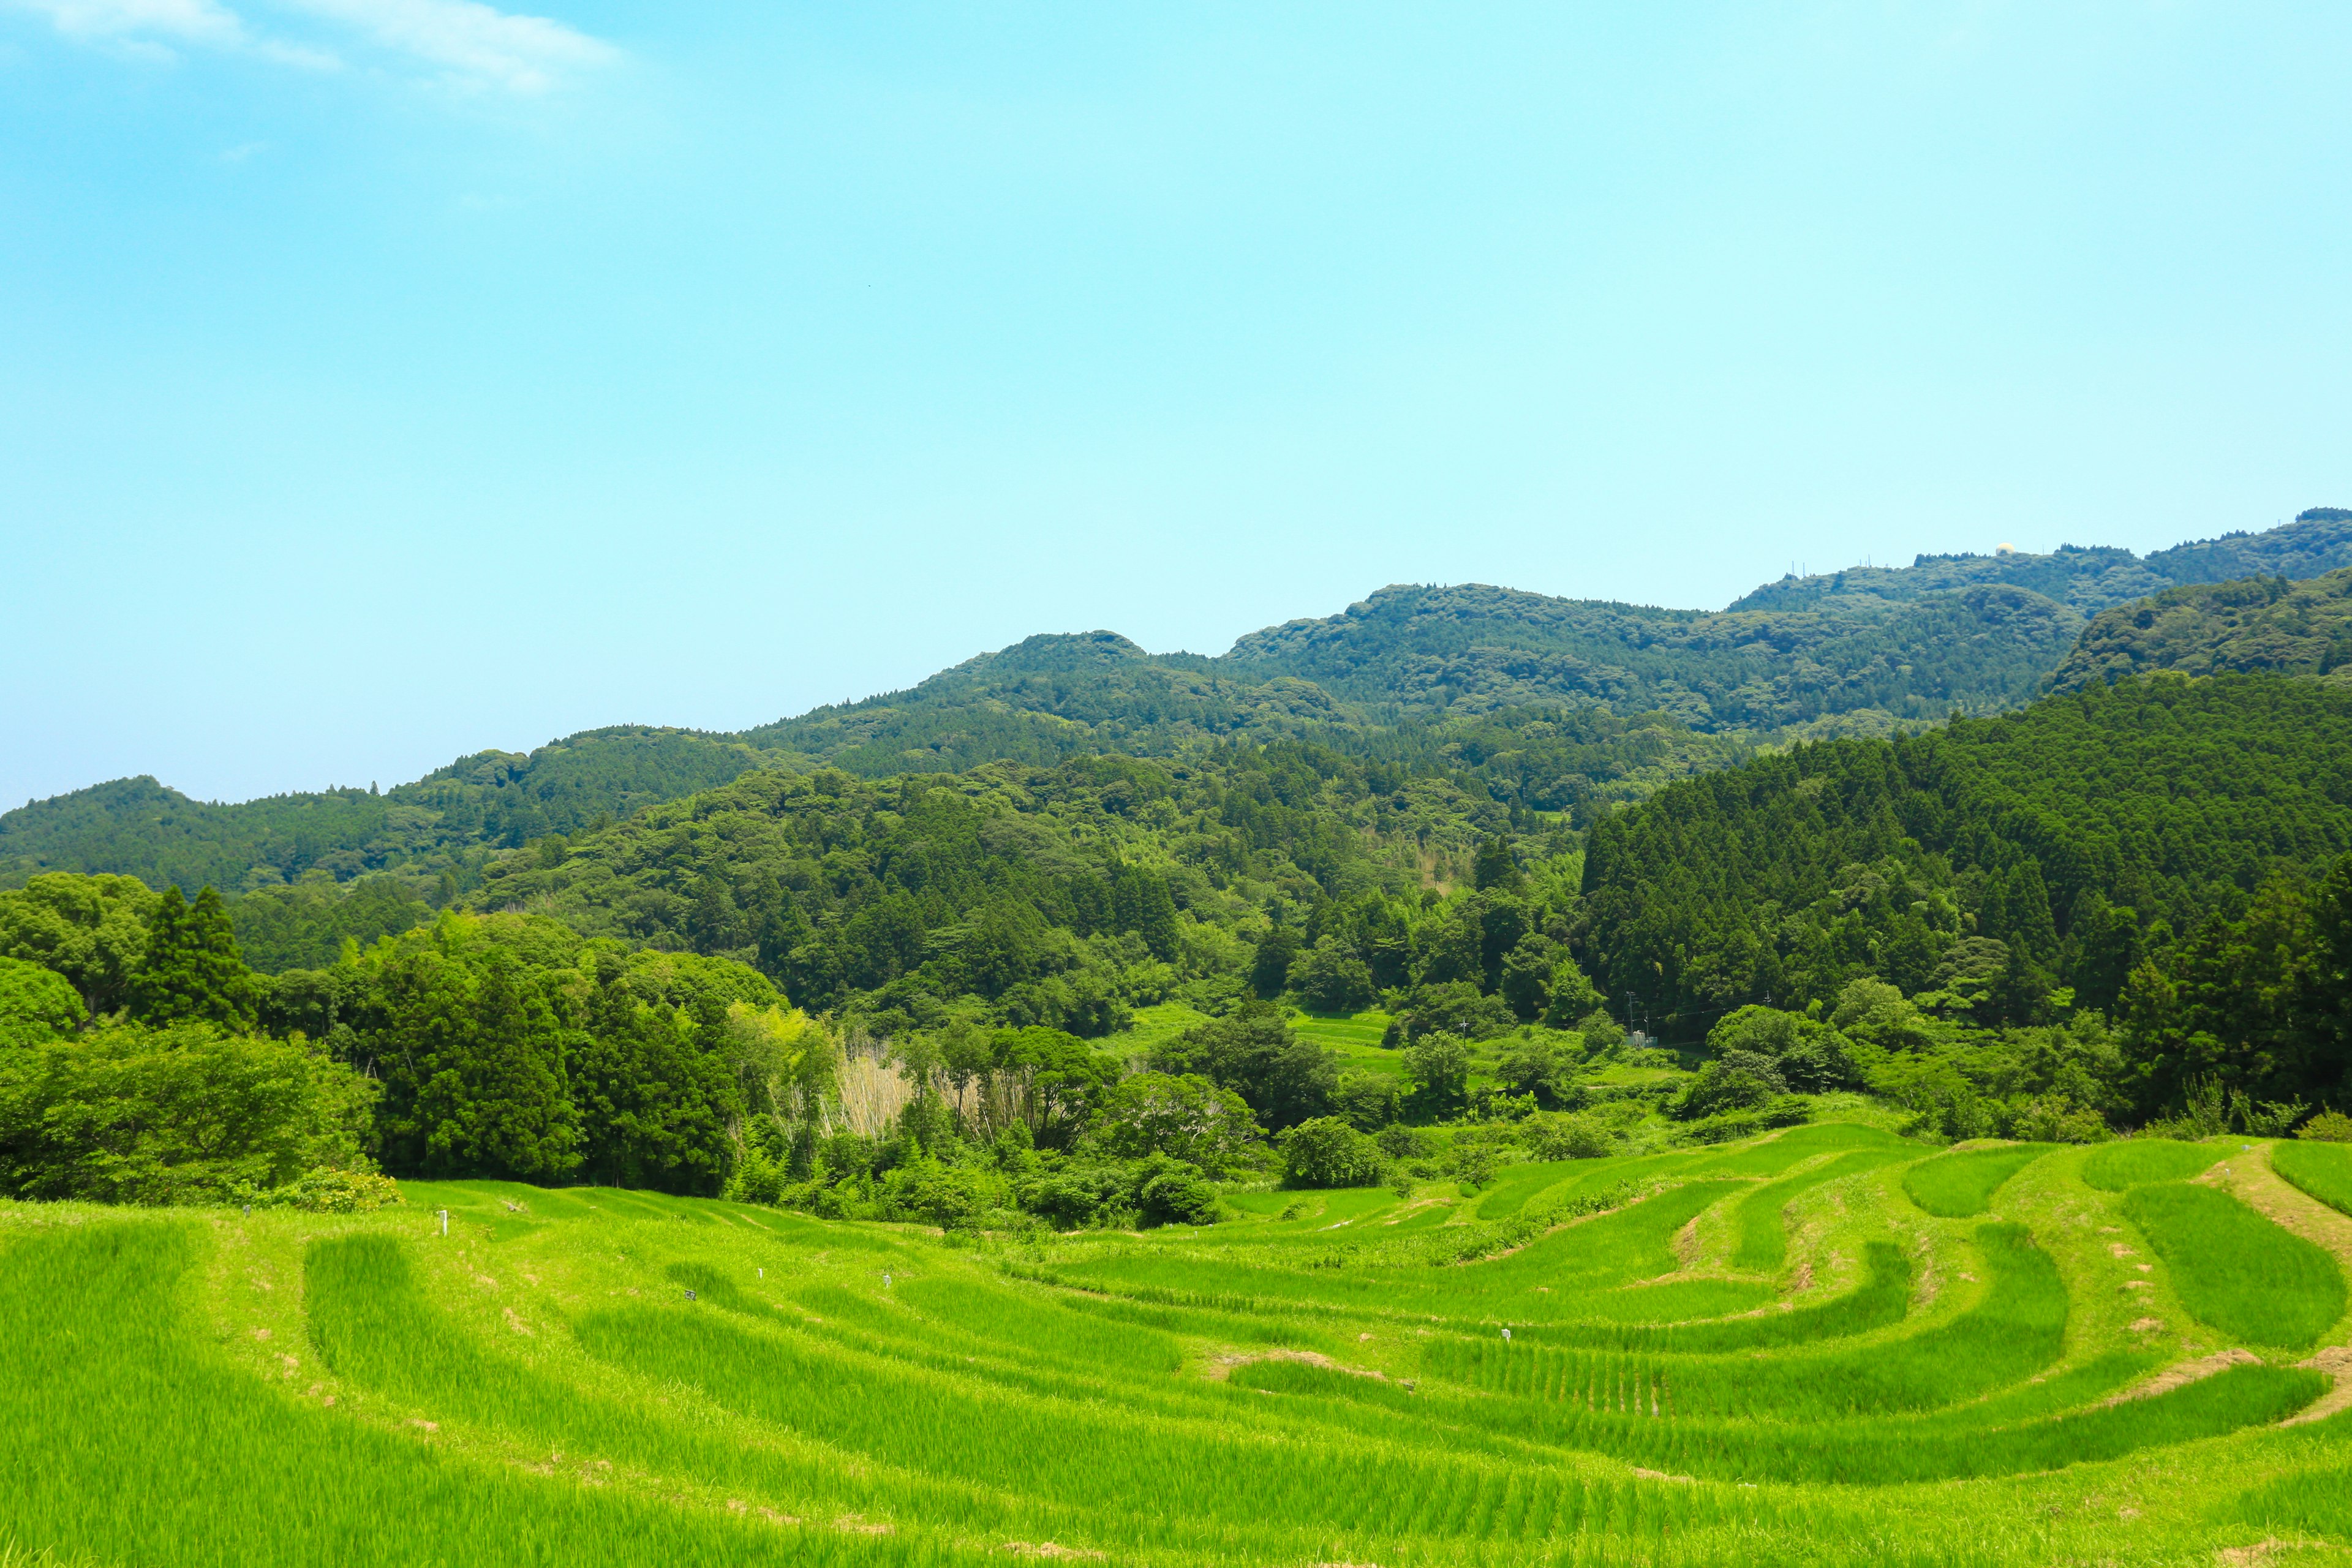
point(386, 378)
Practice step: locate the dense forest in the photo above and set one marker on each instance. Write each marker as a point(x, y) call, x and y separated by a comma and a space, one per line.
point(1146, 943)
point(2259, 623)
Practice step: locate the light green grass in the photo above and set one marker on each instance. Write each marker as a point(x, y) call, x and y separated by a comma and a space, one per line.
point(2323, 1171)
point(2137, 1162)
point(2235, 1270)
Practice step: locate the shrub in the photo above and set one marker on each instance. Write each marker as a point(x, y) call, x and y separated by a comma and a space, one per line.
point(2327, 1127)
point(185, 1115)
point(1737, 1080)
point(37, 1004)
point(335, 1191)
point(1574, 1136)
point(1176, 1194)
point(1328, 1152)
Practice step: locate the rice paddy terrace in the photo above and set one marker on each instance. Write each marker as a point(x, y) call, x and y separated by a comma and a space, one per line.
point(1826, 1346)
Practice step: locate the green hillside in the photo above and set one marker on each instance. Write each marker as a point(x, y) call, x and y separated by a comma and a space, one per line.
point(2257, 624)
point(1546, 704)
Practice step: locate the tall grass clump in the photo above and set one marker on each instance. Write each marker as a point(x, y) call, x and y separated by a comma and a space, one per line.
point(2323, 1171)
point(2137, 1162)
point(1960, 1186)
point(2235, 1270)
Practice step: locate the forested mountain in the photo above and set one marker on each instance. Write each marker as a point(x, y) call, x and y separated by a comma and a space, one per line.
point(1994, 860)
point(1540, 705)
point(2089, 580)
point(450, 819)
point(2256, 624)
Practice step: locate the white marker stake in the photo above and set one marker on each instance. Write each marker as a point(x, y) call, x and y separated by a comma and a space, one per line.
point(445, 1222)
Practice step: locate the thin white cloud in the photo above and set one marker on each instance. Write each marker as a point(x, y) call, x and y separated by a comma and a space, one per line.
point(460, 39)
point(528, 53)
point(182, 21)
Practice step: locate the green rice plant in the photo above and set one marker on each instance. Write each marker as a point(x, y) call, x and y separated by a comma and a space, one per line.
point(2235, 1270)
point(1631, 1416)
point(2323, 1171)
point(2310, 1500)
point(2135, 1161)
point(1960, 1186)
point(1516, 1184)
point(1083, 1452)
point(1881, 1298)
point(172, 1455)
point(372, 1326)
point(1763, 1243)
point(1044, 1328)
point(2015, 1329)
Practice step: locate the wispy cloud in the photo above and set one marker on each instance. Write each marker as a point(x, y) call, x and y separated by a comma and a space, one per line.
point(460, 40)
point(528, 53)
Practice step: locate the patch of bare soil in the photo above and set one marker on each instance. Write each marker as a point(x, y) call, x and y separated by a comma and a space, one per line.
point(1046, 1549)
point(2336, 1360)
point(1222, 1367)
point(2187, 1372)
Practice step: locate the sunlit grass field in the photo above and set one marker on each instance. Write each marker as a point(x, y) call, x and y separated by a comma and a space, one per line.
point(1824, 1346)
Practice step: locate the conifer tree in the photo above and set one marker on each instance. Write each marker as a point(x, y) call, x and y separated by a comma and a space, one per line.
point(193, 971)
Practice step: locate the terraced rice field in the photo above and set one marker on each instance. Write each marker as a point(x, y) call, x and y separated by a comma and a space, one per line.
point(1826, 1346)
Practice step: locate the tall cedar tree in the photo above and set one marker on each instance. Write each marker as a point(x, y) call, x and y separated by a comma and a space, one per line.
point(193, 972)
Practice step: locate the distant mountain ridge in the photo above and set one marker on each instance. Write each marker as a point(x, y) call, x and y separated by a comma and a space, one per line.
point(1547, 704)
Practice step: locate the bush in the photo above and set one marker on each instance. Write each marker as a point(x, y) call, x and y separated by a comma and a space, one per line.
point(1175, 1193)
point(1328, 1152)
point(37, 1005)
point(333, 1191)
point(2327, 1127)
point(1575, 1136)
point(177, 1116)
point(1736, 1080)
point(1369, 1102)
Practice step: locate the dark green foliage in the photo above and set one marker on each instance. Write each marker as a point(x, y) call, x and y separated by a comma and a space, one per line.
point(90, 930)
point(2257, 624)
point(1933, 861)
point(2259, 1007)
point(138, 828)
point(191, 971)
point(305, 926)
point(1188, 1118)
point(1328, 1152)
point(127, 1114)
point(1255, 1053)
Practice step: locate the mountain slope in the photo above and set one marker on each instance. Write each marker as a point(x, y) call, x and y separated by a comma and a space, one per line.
point(2257, 624)
point(1542, 704)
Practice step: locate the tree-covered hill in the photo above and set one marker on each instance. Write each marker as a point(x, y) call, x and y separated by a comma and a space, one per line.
point(1063, 896)
point(2089, 580)
point(1474, 649)
point(2256, 624)
point(1537, 704)
point(448, 819)
point(2053, 846)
